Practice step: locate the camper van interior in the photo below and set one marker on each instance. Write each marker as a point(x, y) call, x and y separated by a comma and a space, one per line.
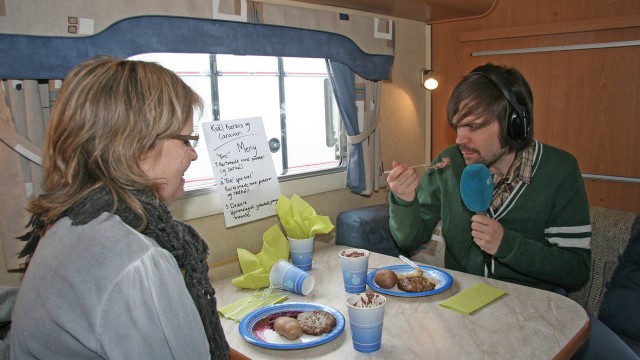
point(307, 107)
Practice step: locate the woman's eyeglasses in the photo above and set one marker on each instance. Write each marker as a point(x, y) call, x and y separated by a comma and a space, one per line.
point(191, 140)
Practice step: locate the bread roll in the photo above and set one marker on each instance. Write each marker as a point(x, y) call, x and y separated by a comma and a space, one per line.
point(288, 327)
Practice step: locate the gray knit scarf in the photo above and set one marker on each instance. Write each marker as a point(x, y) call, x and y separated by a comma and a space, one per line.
point(178, 238)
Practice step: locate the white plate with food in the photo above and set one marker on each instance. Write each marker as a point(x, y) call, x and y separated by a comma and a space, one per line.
point(259, 327)
point(407, 282)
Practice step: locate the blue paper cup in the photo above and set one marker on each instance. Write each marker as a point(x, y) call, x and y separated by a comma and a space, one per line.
point(355, 263)
point(291, 278)
point(301, 252)
point(366, 315)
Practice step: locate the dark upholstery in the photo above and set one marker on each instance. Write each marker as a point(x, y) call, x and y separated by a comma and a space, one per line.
point(367, 228)
point(634, 344)
point(620, 308)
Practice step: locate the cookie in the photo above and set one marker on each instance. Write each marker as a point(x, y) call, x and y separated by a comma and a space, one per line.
point(316, 322)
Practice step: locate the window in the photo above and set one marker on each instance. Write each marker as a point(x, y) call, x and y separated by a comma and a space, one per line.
point(292, 95)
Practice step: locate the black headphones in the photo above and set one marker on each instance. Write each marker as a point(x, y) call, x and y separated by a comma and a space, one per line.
point(519, 121)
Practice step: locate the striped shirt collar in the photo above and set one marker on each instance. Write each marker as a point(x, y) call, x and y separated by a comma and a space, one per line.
point(521, 170)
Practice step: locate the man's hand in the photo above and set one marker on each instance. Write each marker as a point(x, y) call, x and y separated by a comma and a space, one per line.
point(487, 233)
point(403, 181)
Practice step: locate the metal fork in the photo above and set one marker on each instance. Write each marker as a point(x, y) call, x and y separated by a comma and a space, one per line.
point(439, 165)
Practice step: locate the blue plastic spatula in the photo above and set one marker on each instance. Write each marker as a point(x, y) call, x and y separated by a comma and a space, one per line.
point(476, 189)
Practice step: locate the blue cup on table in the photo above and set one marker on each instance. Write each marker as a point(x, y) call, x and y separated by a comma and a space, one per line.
point(355, 263)
point(284, 275)
point(301, 252)
point(366, 315)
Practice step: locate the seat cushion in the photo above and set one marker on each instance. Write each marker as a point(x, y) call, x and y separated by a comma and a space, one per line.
point(611, 229)
point(432, 253)
point(620, 309)
point(7, 300)
point(367, 228)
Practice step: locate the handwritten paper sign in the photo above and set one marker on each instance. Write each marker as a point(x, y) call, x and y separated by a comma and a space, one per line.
point(242, 163)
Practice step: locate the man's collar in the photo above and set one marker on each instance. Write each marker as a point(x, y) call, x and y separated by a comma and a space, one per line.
point(521, 168)
point(524, 171)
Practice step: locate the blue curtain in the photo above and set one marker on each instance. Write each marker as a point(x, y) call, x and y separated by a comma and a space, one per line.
point(343, 82)
point(51, 57)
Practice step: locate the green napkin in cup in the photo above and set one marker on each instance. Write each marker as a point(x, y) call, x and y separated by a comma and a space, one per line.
point(256, 268)
point(240, 308)
point(299, 219)
point(472, 299)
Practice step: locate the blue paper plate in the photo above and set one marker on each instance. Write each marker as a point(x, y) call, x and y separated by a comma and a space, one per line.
point(442, 278)
point(253, 327)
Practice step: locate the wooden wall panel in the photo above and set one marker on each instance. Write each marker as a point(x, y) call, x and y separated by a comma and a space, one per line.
point(585, 101)
point(613, 195)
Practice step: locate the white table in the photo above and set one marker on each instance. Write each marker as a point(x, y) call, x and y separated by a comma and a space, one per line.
point(526, 323)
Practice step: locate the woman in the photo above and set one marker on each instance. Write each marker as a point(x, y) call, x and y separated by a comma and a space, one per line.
point(111, 274)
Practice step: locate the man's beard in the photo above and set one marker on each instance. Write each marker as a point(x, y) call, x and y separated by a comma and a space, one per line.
point(488, 161)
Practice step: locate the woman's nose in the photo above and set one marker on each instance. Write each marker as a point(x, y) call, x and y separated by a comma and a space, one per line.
point(194, 154)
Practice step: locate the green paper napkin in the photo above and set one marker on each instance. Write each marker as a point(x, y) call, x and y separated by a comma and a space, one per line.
point(472, 299)
point(299, 219)
point(256, 268)
point(239, 309)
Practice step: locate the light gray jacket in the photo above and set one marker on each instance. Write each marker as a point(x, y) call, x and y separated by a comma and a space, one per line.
point(103, 290)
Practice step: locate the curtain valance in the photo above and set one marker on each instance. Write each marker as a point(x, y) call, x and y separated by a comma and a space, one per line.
point(51, 57)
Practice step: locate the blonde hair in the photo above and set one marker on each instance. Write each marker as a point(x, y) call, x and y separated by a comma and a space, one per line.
point(108, 113)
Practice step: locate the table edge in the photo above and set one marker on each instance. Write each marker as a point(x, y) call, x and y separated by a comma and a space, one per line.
point(575, 343)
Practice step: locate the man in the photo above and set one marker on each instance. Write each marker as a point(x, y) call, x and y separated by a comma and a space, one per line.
point(537, 231)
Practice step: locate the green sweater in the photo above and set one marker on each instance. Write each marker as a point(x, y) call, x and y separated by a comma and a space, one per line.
point(547, 229)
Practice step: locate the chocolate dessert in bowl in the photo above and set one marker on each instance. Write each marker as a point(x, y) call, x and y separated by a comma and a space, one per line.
point(355, 263)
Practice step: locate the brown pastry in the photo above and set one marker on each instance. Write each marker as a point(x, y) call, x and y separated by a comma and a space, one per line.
point(415, 283)
point(316, 322)
point(386, 279)
point(288, 327)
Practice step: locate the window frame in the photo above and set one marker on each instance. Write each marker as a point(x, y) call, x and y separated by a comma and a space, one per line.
point(215, 74)
point(204, 202)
